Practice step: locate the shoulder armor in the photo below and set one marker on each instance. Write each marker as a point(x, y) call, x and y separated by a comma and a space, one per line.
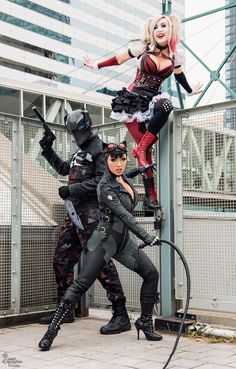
point(136, 48)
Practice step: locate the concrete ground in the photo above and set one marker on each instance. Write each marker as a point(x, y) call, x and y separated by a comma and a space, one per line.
point(80, 345)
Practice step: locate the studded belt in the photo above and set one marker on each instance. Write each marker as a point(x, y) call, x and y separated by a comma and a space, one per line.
point(149, 81)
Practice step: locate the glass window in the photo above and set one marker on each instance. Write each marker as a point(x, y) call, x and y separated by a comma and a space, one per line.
point(74, 105)
point(107, 118)
point(34, 28)
point(30, 100)
point(95, 113)
point(10, 100)
point(55, 110)
point(41, 9)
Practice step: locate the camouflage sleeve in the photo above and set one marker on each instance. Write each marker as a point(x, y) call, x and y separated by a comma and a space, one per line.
point(109, 198)
point(90, 185)
point(62, 167)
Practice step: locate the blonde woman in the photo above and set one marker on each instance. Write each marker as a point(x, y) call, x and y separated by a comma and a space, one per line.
point(142, 106)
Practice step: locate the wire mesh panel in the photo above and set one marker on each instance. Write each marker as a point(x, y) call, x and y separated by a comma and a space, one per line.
point(42, 215)
point(5, 212)
point(208, 199)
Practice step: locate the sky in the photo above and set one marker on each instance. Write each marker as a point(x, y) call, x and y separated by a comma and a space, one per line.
point(206, 37)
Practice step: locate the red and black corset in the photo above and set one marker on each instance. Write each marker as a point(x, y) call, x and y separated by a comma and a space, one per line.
point(148, 76)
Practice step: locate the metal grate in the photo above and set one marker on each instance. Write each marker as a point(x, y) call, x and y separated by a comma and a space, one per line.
point(208, 207)
point(5, 214)
point(42, 215)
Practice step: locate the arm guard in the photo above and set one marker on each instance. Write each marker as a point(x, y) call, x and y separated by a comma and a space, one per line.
point(108, 63)
point(183, 82)
point(62, 167)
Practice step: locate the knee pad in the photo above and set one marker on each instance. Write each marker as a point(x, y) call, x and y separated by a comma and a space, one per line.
point(164, 105)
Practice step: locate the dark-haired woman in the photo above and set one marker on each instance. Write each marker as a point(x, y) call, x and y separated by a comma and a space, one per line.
point(112, 239)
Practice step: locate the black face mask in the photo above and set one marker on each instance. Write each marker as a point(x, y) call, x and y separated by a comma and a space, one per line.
point(78, 124)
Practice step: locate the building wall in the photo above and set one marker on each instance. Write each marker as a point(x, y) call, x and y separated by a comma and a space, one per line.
point(43, 41)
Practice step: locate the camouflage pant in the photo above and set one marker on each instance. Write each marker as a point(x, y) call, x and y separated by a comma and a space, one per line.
point(68, 251)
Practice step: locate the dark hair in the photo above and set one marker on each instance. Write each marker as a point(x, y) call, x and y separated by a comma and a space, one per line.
point(116, 155)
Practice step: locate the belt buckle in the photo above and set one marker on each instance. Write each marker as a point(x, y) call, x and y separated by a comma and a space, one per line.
point(139, 84)
point(101, 229)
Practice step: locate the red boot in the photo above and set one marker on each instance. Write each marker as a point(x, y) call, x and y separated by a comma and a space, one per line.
point(141, 150)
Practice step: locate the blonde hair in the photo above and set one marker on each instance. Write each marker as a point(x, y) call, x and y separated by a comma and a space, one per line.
point(174, 26)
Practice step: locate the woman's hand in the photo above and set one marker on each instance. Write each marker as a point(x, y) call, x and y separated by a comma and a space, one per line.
point(197, 89)
point(88, 62)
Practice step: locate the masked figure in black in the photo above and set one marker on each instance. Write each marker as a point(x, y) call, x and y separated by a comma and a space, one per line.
point(117, 199)
point(84, 169)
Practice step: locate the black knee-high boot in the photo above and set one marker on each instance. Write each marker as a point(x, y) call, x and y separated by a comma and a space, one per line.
point(64, 307)
point(69, 318)
point(145, 323)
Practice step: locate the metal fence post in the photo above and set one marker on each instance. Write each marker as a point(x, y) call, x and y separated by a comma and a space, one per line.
point(167, 231)
point(16, 217)
point(178, 200)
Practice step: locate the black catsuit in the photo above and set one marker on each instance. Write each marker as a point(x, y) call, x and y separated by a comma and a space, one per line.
point(112, 238)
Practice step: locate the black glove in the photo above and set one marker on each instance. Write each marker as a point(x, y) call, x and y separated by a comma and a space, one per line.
point(151, 240)
point(146, 167)
point(64, 192)
point(46, 142)
point(136, 171)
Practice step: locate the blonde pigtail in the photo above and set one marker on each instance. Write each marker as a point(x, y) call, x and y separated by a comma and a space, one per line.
point(175, 34)
point(146, 31)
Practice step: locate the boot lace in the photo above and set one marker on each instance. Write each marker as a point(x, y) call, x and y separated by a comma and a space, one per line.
point(50, 334)
point(116, 312)
point(150, 322)
point(59, 315)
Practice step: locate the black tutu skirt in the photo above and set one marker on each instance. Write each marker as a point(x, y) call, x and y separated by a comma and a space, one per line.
point(137, 105)
point(130, 102)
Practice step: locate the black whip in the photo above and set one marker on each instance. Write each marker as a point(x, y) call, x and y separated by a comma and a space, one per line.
point(171, 244)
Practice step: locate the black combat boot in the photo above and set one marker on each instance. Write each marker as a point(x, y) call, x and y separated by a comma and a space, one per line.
point(120, 320)
point(53, 328)
point(145, 323)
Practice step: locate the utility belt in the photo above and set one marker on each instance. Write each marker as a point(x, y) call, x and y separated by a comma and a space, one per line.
point(148, 81)
point(103, 228)
point(106, 215)
point(106, 218)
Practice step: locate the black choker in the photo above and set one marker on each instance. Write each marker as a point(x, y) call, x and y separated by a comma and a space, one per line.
point(161, 47)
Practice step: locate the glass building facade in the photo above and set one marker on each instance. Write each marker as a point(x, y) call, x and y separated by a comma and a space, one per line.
point(41, 43)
